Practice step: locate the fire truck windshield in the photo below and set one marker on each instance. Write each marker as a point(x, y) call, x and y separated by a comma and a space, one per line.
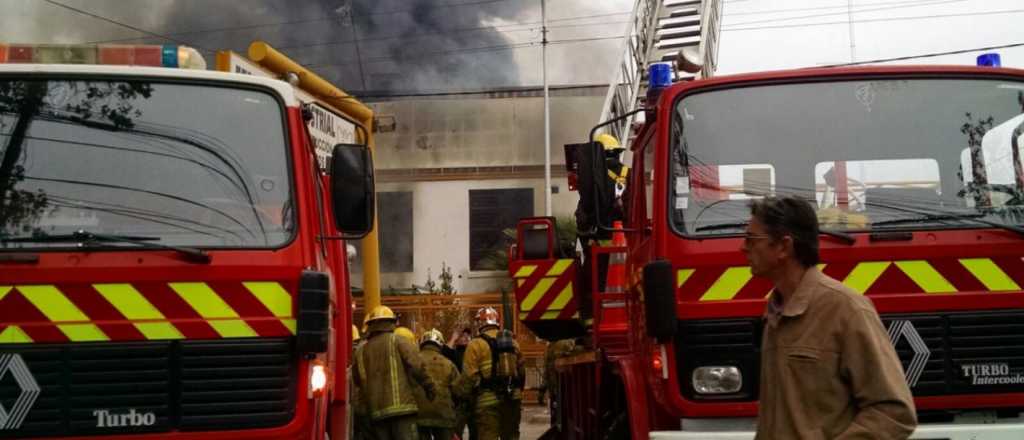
point(872, 154)
point(181, 164)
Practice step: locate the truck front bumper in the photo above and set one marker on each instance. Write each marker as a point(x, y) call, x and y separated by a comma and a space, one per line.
point(993, 431)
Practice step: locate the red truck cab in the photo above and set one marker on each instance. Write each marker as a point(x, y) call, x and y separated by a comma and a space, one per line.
point(916, 176)
point(171, 256)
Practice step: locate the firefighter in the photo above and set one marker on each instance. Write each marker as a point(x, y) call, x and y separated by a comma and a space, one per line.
point(614, 202)
point(554, 351)
point(406, 333)
point(362, 429)
point(436, 420)
point(617, 171)
point(385, 363)
point(493, 367)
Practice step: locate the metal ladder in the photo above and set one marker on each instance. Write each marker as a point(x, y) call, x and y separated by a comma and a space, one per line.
point(657, 31)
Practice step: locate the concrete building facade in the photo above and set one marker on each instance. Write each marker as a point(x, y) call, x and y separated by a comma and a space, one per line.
point(453, 170)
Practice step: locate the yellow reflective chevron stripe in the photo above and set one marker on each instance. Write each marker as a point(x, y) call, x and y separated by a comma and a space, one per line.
point(864, 275)
point(276, 299)
point(926, 277)
point(136, 307)
point(14, 335)
point(682, 275)
point(986, 271)
point(559, 267)
point(536, 294)
point(212, 307)
point(57, 308)
point(4, 290)
point(525, 271)
point(559, 303)
point(728, 285)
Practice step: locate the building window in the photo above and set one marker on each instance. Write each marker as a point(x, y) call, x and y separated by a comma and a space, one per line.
point(394, 230)
point(491, 211)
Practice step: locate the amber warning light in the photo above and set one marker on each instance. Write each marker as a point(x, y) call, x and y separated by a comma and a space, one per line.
point(153, 55)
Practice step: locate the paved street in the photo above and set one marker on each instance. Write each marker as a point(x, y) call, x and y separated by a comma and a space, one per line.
point(535, 421)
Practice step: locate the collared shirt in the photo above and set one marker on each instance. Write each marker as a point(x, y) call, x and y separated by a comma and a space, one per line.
point(828, 369)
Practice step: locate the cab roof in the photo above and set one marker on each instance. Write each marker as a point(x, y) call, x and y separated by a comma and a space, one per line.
point(285, 90)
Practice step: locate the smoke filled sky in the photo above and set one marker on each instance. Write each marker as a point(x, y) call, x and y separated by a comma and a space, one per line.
point(432, 45)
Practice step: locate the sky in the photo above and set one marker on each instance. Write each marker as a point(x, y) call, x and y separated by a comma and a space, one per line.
point(447, 45)
point(754, 36)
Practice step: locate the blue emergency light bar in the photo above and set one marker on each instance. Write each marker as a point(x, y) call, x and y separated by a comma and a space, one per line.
point(989, 60)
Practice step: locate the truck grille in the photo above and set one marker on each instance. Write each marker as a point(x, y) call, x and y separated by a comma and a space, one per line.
point(967, 352)
point(153, 386)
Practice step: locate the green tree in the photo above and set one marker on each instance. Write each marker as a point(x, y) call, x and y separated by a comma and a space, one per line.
point(79, 102)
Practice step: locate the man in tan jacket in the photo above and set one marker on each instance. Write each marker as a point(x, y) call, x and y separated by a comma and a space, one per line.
point(385, 363)
point(828, 369)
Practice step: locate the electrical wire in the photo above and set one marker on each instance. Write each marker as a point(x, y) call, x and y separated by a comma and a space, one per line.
point(830, 14)
point(928, 55)
point(511, 27)
point(818, 8)
point(463, 51)
point(125, 25)
point(874, 20)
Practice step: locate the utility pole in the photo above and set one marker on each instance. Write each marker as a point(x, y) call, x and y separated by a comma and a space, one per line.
point(853, 45)
point(547, 110)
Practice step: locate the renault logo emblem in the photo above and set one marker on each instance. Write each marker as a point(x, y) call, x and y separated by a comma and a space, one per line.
point(11, 418)
point(905, 330)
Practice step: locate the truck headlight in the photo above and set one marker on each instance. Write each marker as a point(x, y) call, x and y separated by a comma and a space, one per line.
point(717, 380)
point(317, 378)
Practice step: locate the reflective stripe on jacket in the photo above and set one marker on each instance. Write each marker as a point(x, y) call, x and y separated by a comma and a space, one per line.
point(476, 366)
point(386, 367)
point(439, 413)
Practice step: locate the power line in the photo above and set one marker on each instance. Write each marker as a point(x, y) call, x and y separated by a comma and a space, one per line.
point(501, 28)
point(270, 25)
point(928, 55)
point(464, 50)
point(443, 6)
point(875, 20)
point(582, 40)
point(128, 26)
point(422, 55)
point(818, 8)
point(399, 37)
point(829, 14)
point(450, 32)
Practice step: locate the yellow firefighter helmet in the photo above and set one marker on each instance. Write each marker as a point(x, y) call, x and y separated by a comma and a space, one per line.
point(379, 313)
point(406, 333)
point(609, 142)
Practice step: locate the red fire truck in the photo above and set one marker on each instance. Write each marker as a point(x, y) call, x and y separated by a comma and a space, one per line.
point(916, 175)
point(172, 262)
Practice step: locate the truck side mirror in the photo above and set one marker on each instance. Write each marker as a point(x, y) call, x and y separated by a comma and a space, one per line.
point(352, 190)
point(660, 300)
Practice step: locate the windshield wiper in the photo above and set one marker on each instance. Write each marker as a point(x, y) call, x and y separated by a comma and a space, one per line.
point(940, 215)
point(722, 226)
point(840, 235)
point(85, 237)
point(929, 219)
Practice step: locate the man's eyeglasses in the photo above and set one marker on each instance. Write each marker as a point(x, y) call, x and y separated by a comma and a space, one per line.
point(750, 237)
